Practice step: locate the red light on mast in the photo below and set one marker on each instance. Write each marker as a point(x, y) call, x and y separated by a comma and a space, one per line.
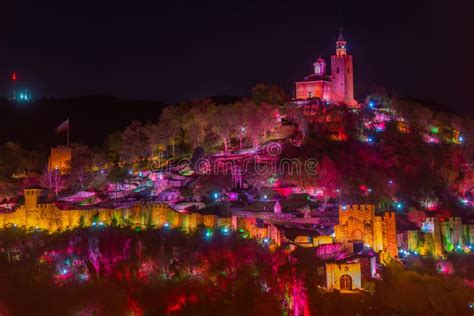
point(14, 76)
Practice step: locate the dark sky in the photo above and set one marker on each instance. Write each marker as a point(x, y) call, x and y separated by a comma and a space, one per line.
point(175, 50)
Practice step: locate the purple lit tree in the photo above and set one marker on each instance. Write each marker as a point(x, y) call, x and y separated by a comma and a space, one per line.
point(52, 180)
point(223, 123)
point(169, 126)
point(196, 123)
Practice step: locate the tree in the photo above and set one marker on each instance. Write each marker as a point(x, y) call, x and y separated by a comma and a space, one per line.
point(81, 165)
point(135, 143)
point(113, 146)
point(253, 120)
point(169, 126)
point(224, 123)
point(152, 132)
point(257, 120)
point(258, 177)
point(240, 112)
point(267, 93)
point(417, 217)
point(381, 96)
point(414, 112)
point(8, 161)
point(14, 159)
point(302, 120)
point(196, 158)
point(328, 176)
point(269, 114)
point(51, 179)
point(197, 121)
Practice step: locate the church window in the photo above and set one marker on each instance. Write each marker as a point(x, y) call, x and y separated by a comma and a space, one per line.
point(317, 68)
point(337, 70)
point(348, 70)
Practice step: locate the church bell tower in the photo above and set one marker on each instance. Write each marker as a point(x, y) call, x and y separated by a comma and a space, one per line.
point(342, 74)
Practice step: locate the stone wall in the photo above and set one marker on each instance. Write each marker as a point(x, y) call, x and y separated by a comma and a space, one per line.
point(49, 217)
point(438, 238)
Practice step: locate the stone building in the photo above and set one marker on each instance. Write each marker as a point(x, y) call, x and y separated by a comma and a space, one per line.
point(338, 87)
point(60, 159)
point(438, 237)
point(343, 276)
point(359, 224)
point(350, 273)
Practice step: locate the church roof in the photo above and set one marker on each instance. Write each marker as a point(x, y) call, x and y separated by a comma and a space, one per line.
point(316, 77)
point(320, 60)
point(291, 232)
point(340, 38)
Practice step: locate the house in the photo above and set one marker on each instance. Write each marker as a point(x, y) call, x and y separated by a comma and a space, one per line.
point(349, 273)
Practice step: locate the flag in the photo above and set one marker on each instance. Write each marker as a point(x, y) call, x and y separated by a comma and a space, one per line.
point(63, 127)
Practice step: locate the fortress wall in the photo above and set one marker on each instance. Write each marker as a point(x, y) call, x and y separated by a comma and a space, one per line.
point(51, 218)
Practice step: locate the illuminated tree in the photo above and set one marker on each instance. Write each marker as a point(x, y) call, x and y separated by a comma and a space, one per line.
point(302, 120)
point(169, 126)
point(381, 97)
point(417, 217)
point(51, 179)
point(113, 146)
point(224, 123)
point(240, 121)
point(270, 116)
point(135, 143)
point(254, 122)
point(328, 177)
point(414, 112)
point(153, 133)
point(258, 177)
point(197, 120)
point(81, 165)
point(265, 93)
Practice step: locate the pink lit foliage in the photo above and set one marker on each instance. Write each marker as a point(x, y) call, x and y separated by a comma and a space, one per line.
point(417, 217)
point(212, 271)
point(295, 299)
point(444, 267)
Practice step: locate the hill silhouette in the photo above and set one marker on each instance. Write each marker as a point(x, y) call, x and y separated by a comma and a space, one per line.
point(92, 118)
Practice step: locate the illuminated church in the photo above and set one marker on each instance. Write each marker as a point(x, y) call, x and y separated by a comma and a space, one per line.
point(336, 87)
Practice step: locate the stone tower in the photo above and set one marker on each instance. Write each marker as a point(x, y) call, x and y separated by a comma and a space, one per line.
point(358, 223)
point(390, 234)
point(342, 74)
point(32, 197)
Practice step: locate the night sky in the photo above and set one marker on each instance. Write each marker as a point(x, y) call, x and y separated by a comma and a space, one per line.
point(177, 50)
